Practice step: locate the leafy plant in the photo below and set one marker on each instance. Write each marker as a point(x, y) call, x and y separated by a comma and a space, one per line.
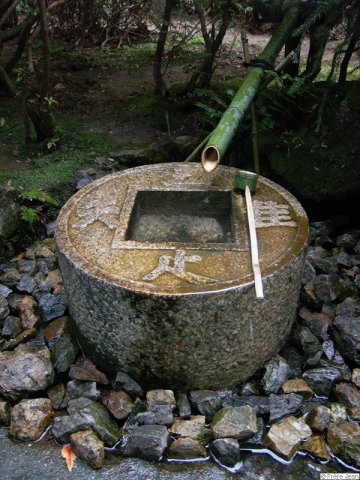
point(34, 202)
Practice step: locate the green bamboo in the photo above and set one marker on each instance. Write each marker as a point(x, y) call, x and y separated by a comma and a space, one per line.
point(228, 125)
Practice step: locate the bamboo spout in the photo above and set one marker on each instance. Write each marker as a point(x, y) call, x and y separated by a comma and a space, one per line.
point(210, 158)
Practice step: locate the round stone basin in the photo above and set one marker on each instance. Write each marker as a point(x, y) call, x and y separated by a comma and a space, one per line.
point(157, 268)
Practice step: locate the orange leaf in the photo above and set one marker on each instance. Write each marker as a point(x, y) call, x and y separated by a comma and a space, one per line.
point(69, 456)
point(20, 256)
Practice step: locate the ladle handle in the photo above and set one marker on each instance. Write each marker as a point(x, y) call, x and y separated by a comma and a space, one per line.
point(253, 245)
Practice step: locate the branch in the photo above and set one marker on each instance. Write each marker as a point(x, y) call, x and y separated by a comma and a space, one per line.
point(8, 13)
point(46, 49)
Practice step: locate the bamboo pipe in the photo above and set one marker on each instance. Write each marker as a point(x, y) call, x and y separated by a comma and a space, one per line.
point(224, 132)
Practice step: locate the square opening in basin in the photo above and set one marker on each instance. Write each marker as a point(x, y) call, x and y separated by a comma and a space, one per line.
point(181, 216)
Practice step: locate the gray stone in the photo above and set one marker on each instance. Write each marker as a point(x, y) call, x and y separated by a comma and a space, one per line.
point(10, 277)
point(346, 241)
point(26, 284)
point(327, 287)
point(277, 371)
point(258, 438)
point(27, 312)
point(194, 428)
point(226, 451)
point(355, 378)
point(249, 388)
point(328, 348)
point(285, 438)
point(87, 446)
point(183, 406)
point(322, 380)
point(326, 227)
point(120, 405)
point(309, 274)
point(5, 412)
point(29, 418)
point(103, 308)
point(318, 418)
point(282, 406)
point(344, 260)
point(4, 307)
point(160, 397)
point(46, 265)
point(50, 228)
point(317, 323)
point(205, 402)
point(56, 395)
point(11, 327)
point(148, 442)
point(294, 358)
point(4, 290)
point(83, 179)
point(65, 425)
point(77, 389)
point(26, 369)
point(14, 300)
point(350, 307)
point(346, 331)
point(64, 353)
point(234, 422)
point(186, 449)
point(349, 396)
point(124, 382)
point(344, 440)
point(308, 342)
point(158, 415)
point(260, 405)
point(27, 267)
point(85, 370)
point(52, 306)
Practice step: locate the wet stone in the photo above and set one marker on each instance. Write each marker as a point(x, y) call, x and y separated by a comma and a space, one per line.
point(26, 284)
point(28, 316)
point(328, 348)
point(87, 446)
point(10, 278)
point(11, 327)
point(327, 287)
point(205, 402)
point(317, 447)
point(21, 338)
point(4, 290)
point(337, 413)
point(318, 418)
point(52, 306)
point(65, 425)
point(285, 438)
point(344, 440)
point(346, 331)
point(356, 377)
point(29, 418)
point(158, 415)
point(299, 386)
point(56, 395)
point(294, 358)
point(64, 353)
point(119, 404)
point(234, 422)
point(194, 428)
point(226, 451)
point(78, 389)
point(124, 382)
point(258, 438)
point(309, 273)
point(85, 370)
point(260, 405)
point(322, 380)
point(186, 449)
point(46, 265)
point(5, 412)
point(148, 442)
point(55, 329)
point(277, 371)
point(317, 323)
point(282, 406)
point(249, 388)
point(308, 342)
point(26, 369)
point(160, 397)
point(4, 307)
point(183, 406)
point(349, 396)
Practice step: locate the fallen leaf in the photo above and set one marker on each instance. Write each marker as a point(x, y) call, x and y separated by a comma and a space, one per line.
point(20, 256)
point(69, 456)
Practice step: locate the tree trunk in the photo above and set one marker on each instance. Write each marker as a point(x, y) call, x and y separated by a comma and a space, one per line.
point(160, 86)
point(292, 44)
point(350, 50)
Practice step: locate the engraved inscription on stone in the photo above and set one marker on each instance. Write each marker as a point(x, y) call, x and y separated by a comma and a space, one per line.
point(176, 266)
point(272, 214)
point(90, 213)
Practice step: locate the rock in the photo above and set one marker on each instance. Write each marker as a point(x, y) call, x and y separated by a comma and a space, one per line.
point(119, 404)
point(159, 415)
point(294, 358)
point(50, 228)
point(52, 306)
point(64, 353)
point(299, 386)
point(350, 307)
point(85, 370)
point(234, 422)
point(186, 449)
point(54, 278)
point(26, 284)
point(194, 428)
point(4, 290)
point(317, 323)
point(5, 412)
point(83, 179)
point(4, 307)
point(317, 229)
point(346, 331)
point(124, 382)
point(258, 438)
point(328, 348)
point(27, 314)
point(9, 213)
point(26, 369)
point(78, 389)
point(306, 340)
point(322, 380)
point(183, 406)
point(277, 371)
point(10, 278)
point(148, 442)
point(11, 327)
point(349, 396)
point(96, 417)
point(346, 241)
point(317, 447)
point(260, 405)
point(344, 440)
point(309, 274)
point(226, 451)
point(46, 265)
point(344, 260)
point(205, 402)
point(337, 413)
point(327, 287)
point(65, 425)
point(249, 388)
point(356, 377)
point(282, 406)
point(56, 395)
point(21, 338)
point(55, 329)
point(87, 446)
point(284, 438)
point(160, 397)
point(318, 418)
point(14, 300)
point(29, 418)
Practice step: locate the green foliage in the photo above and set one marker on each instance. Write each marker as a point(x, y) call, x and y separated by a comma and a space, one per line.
point(29, 214)
point(40, 195)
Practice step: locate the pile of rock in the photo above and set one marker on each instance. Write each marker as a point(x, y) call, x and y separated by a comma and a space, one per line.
point(306, 399)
